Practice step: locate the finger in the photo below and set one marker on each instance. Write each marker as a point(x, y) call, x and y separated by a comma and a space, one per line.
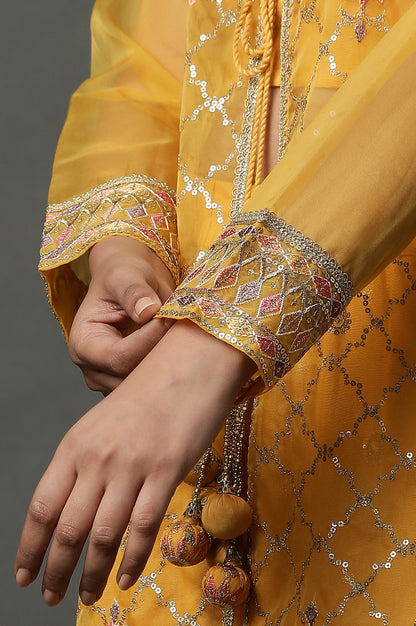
point(147, 516)
point(70, 535)
point(106, 534)
point(135, 293)
point(43, 514)
point(131, 350)
point(165, 292)
point(105, 350)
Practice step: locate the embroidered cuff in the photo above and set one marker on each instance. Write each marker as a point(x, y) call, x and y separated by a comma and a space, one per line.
point(138, 206)
point(266, 289)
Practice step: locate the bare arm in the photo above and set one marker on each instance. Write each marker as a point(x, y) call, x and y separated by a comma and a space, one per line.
point(124, 459)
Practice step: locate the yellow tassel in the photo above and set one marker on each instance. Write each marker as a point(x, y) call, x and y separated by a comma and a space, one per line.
point(226, 516)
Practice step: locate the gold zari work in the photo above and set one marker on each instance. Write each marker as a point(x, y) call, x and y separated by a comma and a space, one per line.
point(332, 446)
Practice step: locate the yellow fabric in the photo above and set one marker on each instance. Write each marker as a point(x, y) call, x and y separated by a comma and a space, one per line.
point(331, 471)
point(134, 76)
point(265, 289)
point(336, 172)
point(334, 26)
point(134, 206)
point(347, 145)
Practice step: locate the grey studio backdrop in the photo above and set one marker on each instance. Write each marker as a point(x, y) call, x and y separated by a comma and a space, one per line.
point(44, 56)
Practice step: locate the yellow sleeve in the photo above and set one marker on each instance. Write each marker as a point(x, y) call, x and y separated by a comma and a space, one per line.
point(116, 160)
point(333, 212)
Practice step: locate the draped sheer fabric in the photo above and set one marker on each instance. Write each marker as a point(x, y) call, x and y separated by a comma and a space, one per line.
point(330, 470)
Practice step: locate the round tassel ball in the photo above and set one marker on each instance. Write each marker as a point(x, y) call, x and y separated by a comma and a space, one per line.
point(226, 516)
point(226, 585)
point(213, 467)
point(185, 543)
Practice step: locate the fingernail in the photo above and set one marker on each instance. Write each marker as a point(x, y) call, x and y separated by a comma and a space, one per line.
point(143, 304)
point(51, 598)
point(125, 582)
point(23, 577)
point(88, 598)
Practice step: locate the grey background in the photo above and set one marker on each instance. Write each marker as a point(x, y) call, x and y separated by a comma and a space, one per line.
point(44, 51)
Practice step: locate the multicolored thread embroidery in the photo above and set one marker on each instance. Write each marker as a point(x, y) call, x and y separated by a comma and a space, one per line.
point(138, 206)
point(289, 292)
point(361, 29)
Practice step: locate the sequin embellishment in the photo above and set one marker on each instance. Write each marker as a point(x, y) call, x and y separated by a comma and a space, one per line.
point(138, 206)
point(289, 292)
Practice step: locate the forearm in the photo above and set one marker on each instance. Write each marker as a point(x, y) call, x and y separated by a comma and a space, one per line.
point(194, 370)
point(140, 441)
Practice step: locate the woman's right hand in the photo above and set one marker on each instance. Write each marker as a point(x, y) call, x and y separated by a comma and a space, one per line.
point(113, 329)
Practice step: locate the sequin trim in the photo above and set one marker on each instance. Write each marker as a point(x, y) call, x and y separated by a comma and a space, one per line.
point(266, 289)
point(138, 206)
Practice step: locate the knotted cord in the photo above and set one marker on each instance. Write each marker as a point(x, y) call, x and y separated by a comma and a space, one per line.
point(259, 66)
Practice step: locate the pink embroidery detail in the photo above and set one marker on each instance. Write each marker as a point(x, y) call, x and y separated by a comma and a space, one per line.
point(114, 613)
point(47, 239)
point(136, 211)
point(196, 272)
point(159, 220)
point(227, 277)
point(248, 292)
point(323, 286)
point(270, 245)
point(149, 234)
point(210, 308)
point(360, 28)
point(110, 211)
point(186, 300)
point(266, 346)
point(228, 232)
point(64, 234)
point(248, 230)
point(270, 305)
point(165, 196)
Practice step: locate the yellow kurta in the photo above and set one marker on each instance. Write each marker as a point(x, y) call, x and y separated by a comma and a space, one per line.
point(331, 459)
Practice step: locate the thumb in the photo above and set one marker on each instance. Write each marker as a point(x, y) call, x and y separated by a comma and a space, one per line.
point(134, 295)
point(146, 307)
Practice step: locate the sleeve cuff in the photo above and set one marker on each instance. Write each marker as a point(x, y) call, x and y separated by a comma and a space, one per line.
point(136, 206)
point(267, 290)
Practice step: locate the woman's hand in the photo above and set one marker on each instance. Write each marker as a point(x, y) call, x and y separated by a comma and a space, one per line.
point(113, 329)
point(124, 459)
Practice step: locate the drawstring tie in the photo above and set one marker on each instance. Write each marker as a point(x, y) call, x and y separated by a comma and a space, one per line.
point(259, 65)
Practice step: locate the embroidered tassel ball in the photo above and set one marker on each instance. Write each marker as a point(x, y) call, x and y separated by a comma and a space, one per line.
point(226, 516)
point(185, 543)
point(226, 585)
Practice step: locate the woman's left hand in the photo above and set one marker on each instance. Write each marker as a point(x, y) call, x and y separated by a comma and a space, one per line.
point(124, 459)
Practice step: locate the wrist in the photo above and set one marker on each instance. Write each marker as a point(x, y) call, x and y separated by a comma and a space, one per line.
point(214, 359)
point(114, 249)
